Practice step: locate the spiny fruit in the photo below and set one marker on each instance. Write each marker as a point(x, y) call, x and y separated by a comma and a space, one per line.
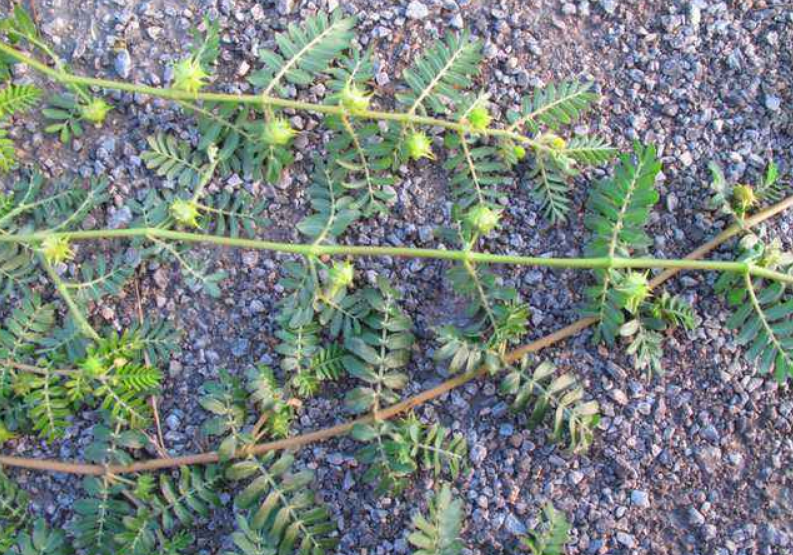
point(744, 197)
point(354, 98)
point(188, 75)
point(95, 111)
point(340, 276)
point(479, 118)
point(56, 249)
point(634, 289)
point(419, 146)
point(483, 218)
point(278, 132)
point(185, 212)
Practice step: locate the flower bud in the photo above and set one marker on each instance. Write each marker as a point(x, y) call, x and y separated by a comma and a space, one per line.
point(188, 75)
point(185, 212)
point(479, 118)
point(483, 219)
point(634, 289)
point(278, 132)
point(519, 151)
point(95, 111)
point(354, 98)
point(419, 146)
point(56, 249)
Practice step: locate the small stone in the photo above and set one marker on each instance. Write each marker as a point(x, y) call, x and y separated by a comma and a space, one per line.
point(257, 306)
point(619, 397)
point(506, 430)
point(575, 477)
point(478, 453)
point(417, 10)
point(240, 347)
point(695, 517)
point(569, 9)
point(285, 7)
point(640, 498)
point(123, 63)
point(154, 32)
point(772, 102)
point(609, 6)
point(120, 218)
point(626, 539)
point(514, 526)
point(457, 21)
point(257, 12)
point(686, 159)
point(173, 422)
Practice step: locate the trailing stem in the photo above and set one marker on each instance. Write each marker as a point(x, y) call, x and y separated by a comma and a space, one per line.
point(397, 408)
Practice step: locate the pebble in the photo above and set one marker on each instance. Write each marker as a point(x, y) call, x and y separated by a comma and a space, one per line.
point(609, 6)
point(773, 103)
point(417, 10)
point(626, 539)
point(619, 397)
point(640, 498)
point(284, 7)
point(123, 63)
point(478, 453)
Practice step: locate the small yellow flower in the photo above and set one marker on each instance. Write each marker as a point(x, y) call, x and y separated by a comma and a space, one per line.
point(520, 152)
point(95, 111)
point(483, 218)
point(188, 75)
point(354, 98)
point(479, 118)
point(419, 146)
point(278, 132)
point(185, 212)
point(56, 249)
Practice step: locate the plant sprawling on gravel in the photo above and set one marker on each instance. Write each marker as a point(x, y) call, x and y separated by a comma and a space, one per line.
point(55, 364)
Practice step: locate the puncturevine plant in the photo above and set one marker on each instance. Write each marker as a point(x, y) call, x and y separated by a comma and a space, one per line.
point(56, 363)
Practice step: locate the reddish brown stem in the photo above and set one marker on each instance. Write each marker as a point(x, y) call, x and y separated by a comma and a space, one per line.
point(393, 410)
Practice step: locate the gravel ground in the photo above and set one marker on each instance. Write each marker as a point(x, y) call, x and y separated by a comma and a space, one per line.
point(695, 461)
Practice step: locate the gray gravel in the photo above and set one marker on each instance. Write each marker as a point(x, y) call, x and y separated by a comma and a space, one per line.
point(696, 461)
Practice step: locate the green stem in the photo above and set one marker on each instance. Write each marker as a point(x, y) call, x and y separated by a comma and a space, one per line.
point(260, 100)
point(75, 311)
point(314, 250)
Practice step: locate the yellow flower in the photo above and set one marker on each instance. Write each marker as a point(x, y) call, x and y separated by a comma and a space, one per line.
point(185, 212)
point(419, 146)
point(278, 132)
point(56, 249)
point(95, 111)
point(354, 98)
point(188, 75)
point(483, 219)
point(520, 152)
